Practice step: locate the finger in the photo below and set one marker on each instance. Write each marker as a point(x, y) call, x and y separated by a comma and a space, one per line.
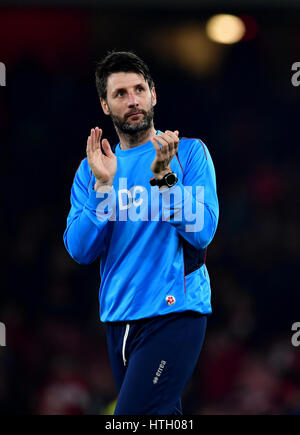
point(98, 136)
point(163, 136)
point(172, 134)
point(98, 139)
point(107, 148)
point(170, 137)
point(168, 146)
point(95, 144)
point(175, 139)
point(156, 144)
point(157, 148)
point(164, 144)
point(88, 146)
point(92, 140)
point(163, 148)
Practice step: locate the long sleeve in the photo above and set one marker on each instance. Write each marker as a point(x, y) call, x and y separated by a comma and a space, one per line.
point(191, 206)
point(87, 224)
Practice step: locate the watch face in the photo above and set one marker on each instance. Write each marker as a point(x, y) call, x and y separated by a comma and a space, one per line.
point(171, 179)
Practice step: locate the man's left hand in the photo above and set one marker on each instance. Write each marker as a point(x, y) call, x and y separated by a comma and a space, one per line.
point(166, 146)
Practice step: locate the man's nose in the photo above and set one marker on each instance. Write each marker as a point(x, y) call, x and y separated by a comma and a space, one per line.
point(132, 100)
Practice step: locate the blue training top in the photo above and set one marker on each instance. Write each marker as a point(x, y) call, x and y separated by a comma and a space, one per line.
point(151, 242)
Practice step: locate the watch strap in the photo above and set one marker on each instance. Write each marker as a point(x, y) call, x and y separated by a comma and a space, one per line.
point(162, 182)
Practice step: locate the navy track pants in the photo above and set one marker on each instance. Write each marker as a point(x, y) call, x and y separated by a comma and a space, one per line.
point(152, 361)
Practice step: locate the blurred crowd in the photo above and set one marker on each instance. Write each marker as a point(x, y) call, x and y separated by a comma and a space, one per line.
point(55, 360)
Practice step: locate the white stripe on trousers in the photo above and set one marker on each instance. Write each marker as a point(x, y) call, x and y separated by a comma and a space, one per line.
point(124, 342)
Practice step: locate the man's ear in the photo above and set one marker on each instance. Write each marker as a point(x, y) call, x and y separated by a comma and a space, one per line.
point(153, 95)
point(105, 107)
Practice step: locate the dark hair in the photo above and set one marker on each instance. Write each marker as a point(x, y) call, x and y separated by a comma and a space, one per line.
point(120, 61)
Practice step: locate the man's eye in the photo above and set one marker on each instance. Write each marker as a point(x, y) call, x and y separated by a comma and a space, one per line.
point(140, 89)
point(120, 93)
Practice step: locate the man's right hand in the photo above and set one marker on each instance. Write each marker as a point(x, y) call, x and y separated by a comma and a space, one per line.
point(103, 166)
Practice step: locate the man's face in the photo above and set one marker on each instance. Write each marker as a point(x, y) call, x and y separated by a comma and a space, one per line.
point(129, 102)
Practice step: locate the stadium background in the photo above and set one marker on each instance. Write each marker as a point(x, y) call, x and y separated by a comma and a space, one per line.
point(240, 101)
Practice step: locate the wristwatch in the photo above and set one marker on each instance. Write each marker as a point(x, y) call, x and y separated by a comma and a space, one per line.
point(168, 180)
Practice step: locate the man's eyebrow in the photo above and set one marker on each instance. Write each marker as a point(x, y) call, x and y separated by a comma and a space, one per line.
point(115, 91)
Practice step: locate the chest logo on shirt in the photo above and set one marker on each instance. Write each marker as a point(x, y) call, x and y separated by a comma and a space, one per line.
point(170, 300)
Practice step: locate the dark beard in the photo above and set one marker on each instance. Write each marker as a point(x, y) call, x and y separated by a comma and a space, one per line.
point(134, 130)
